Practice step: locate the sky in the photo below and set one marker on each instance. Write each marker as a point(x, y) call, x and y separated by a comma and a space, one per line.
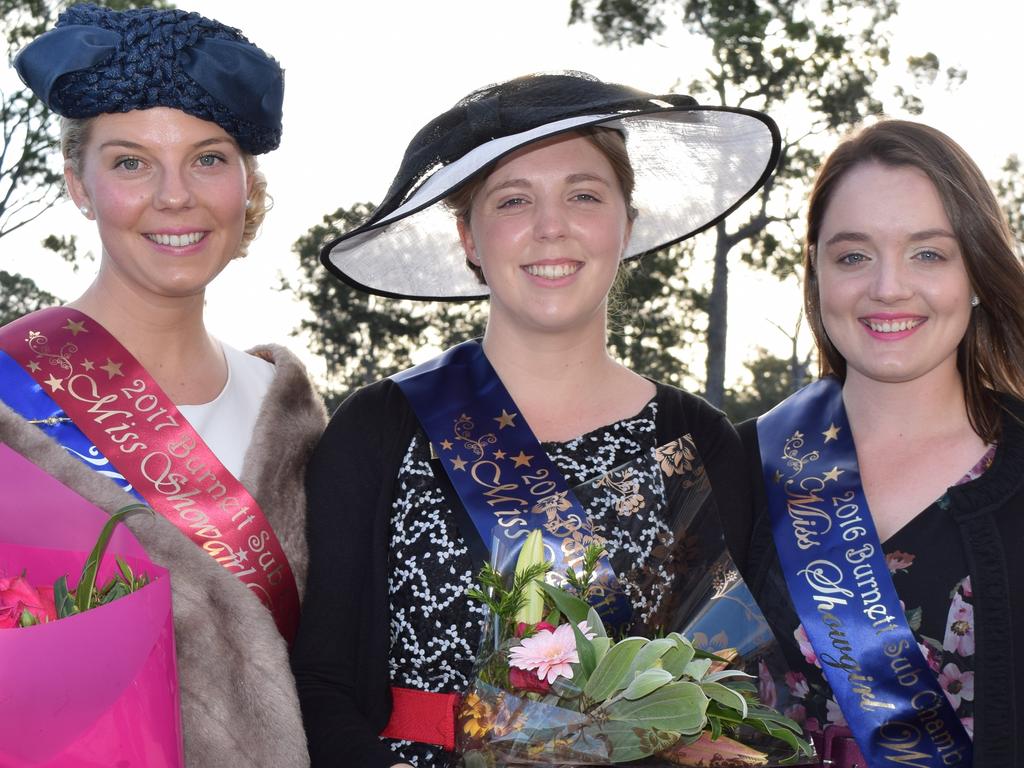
point(361, 78)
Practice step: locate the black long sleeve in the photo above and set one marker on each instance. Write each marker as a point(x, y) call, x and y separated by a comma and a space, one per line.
point(340, 653)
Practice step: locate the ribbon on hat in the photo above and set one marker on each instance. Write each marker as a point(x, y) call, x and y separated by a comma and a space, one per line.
point(231, 72)
point(62, 50)
point(452, 135)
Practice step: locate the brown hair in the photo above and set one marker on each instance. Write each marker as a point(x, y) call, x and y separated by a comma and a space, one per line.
point(74, 135)
point(608, 140)
point(990, 355)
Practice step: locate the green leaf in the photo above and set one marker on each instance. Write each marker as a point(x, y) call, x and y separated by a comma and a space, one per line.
point(571, 606)
point(650, 654)
point(677, 657)
point(27, 619)
point(647, 682)
point(87, 584)
point(126, 570)
point(62, 599)
point(725, 696)
point(601, 646)
point(726, 674)
point(697, 668)
point(585, 651)
point(595, 623)
point(610, 675)
point(679, 707)
point(716, 727)
point(564, 688)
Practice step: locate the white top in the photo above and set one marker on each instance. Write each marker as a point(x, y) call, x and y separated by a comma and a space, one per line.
point(227, 422)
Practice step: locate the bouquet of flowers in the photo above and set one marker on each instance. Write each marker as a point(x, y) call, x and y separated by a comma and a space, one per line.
point(89, 674)
point(556, 689)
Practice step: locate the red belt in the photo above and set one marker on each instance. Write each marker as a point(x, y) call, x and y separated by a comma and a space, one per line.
point(423, 716)
point(837, 749)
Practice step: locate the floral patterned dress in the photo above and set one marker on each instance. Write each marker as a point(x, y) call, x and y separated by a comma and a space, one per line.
point(435, 628)
point(930, 573)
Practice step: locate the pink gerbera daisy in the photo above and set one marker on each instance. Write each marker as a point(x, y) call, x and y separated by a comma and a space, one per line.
point(549, 654)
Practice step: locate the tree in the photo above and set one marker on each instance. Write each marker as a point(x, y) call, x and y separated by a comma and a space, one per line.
point(771, 383)
point(30, 176)
point(818, 59)
point(19, 295)
point(1009, 189)
point(363, 338)
point(649, 325)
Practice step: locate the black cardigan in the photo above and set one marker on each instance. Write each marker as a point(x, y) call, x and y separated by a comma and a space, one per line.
point(341, 654)
point(989, 512)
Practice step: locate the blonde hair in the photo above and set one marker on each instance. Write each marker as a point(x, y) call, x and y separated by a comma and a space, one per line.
point(74, 135)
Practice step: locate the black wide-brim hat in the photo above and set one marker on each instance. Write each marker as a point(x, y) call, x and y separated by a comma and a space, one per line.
point(693, 165)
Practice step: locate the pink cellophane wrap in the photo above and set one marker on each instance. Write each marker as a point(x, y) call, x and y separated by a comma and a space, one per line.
point(99, 688)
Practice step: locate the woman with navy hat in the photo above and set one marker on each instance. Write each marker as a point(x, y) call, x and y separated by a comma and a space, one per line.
point(532, 192)
point(124, 389)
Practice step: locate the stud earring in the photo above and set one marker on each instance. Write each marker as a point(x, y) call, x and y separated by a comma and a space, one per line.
point(975, 301)
point(84, 209)
point(248, 204)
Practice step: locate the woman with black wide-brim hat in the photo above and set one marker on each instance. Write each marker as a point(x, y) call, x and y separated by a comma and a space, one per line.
point(533, 192)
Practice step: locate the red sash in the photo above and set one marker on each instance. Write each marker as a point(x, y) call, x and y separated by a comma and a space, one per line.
point(116, 404)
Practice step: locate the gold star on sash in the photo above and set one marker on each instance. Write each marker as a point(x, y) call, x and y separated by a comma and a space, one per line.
point(113, 369)
point(459, 463)
point(75, 327)
point(505, 420)
point(777, 477)
point(833, 474)
point(446, 444)
point(33, 366)
point(500, 454)
point(832, 433)
point(88, 365)
point(54, 383)
point(522, 460)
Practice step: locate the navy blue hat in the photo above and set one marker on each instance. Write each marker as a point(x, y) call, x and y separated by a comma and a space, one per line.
point(96, 61)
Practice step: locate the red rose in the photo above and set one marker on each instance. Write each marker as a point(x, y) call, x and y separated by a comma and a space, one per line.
point(525, 680)
point(17, 595)
point(522, 626)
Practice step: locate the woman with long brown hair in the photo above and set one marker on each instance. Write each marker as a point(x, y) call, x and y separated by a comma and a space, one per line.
point(886, 541)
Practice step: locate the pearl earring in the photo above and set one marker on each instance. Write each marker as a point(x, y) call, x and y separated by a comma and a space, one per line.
point(84, 209)
point(975, 301)
point(248, 204)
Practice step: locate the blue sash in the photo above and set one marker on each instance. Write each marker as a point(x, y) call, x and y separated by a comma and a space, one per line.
point(504, 478)
point(835, 568)
point(20, 393)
